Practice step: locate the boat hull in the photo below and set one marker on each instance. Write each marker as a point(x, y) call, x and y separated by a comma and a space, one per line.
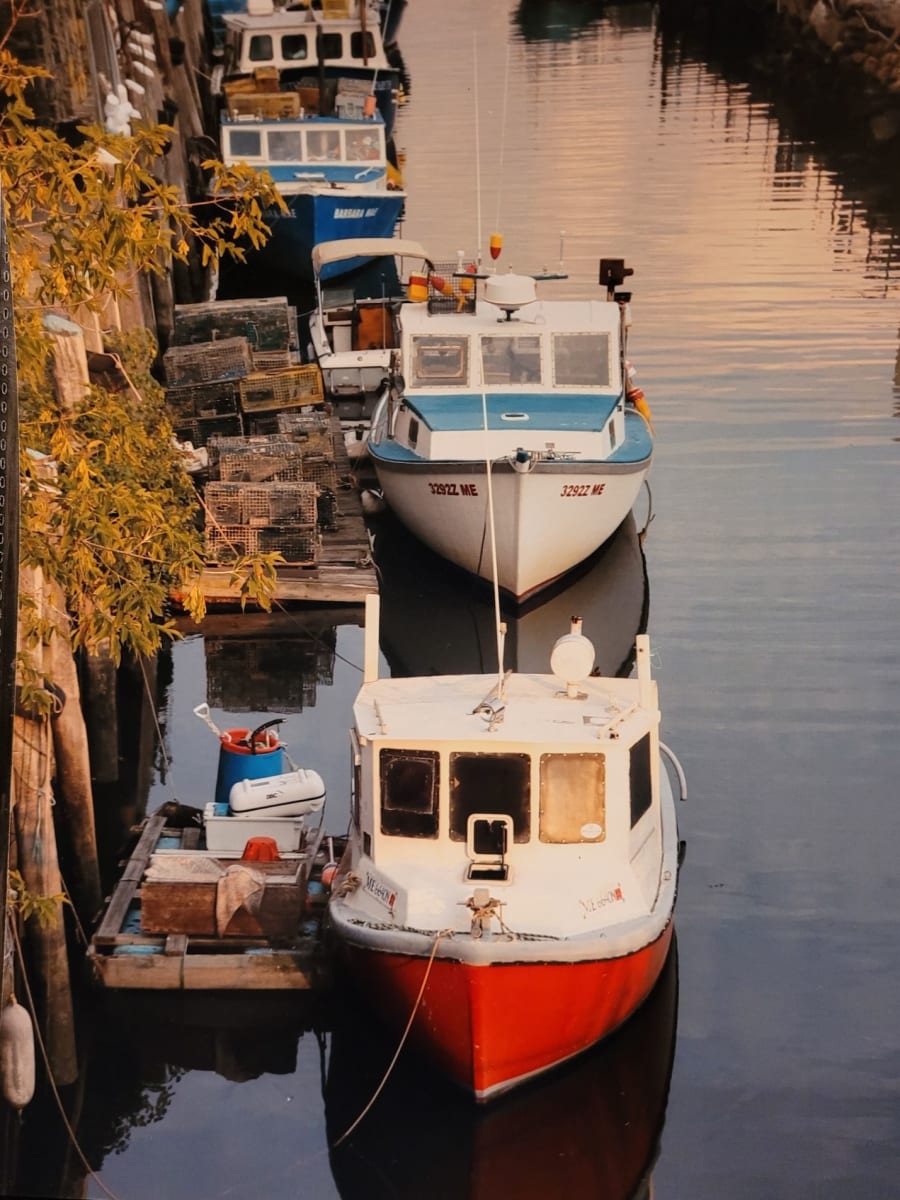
point(547, 520)
point(491, 1027)
point(327, 216)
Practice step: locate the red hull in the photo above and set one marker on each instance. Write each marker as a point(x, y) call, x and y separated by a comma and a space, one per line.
point(492, 1027)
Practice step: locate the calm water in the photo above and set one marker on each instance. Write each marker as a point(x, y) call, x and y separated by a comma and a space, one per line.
point(762, 231)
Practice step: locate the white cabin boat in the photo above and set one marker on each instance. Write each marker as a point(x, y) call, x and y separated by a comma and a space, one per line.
point(491, 398)
point(509, 882)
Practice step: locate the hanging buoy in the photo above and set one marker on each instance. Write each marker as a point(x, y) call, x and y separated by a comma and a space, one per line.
point(417, 289)
point(635, 396)
point(16, 1055)
point(466, 287)
point(369, 106)
point(496, 245)
point(440, 284)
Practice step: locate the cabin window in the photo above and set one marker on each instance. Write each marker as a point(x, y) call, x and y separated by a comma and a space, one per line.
point(362, 146)
point(413, 431)
point(409, 793)
point(573, 798)
point(581, 359)
point(506, 360)
point(260, 48)
point(355, 794)
point(641, 785)
point(331, 45)
point(490, 783)
point(440, 360)
point(294, 47)
point(362, 45)
point(285, 145)
point(324, 145)
point(244, 144)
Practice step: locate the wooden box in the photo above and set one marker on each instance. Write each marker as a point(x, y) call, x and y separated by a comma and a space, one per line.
point(187, 904)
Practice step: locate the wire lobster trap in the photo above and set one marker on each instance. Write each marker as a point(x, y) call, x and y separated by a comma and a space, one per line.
point(205, 362)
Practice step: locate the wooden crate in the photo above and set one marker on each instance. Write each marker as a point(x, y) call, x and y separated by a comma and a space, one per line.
point(264, 104)
point(188, 905)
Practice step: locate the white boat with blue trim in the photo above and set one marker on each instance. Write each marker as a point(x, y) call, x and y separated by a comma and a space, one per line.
point(496, 399)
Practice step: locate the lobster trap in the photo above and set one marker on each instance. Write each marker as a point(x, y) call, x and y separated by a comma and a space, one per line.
point(227, 358)
point(262, 504)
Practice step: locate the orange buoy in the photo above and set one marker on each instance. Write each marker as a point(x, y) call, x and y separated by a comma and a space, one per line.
point(328, 873)
point(418, 288)
point(440, 284)
point(261, 849)
point(496, 245)
point(369, 106)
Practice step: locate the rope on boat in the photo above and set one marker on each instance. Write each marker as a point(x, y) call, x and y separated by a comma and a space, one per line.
point(393, 1061)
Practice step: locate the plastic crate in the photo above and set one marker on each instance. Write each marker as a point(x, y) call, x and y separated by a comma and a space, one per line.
point(203, 362)
point(291, 388)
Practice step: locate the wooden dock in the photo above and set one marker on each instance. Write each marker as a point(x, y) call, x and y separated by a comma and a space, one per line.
point(344, 572)
point(122, 956)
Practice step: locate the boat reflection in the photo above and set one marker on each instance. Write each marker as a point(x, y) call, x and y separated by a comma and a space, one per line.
point(437, 620)
point(556, 20)
point(591, 1129)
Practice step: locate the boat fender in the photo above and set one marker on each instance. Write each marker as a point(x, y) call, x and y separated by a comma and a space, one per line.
point(16, 1055)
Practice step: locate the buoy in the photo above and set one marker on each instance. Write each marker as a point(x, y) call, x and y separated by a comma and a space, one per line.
point(440, 284)
point(466, 287)
point(418, 288)
point(16, 1055)
point(328, 873)
point(260, 849)
point(496, 245)
point(369, 106)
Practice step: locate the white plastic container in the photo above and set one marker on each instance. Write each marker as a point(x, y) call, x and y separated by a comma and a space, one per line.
point(295, 794)
point(230, 833)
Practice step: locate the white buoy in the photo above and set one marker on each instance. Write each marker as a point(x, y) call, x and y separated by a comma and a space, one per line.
point(16, 1055)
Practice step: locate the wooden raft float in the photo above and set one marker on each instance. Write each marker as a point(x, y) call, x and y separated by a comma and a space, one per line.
point(163, 934)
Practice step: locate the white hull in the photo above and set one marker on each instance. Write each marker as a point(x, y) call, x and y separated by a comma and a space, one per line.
point(547, 520)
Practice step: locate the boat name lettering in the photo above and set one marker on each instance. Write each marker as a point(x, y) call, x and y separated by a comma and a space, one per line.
point(595, 903)
point(582, 489)
point(354, 213)
point(453, 489)
point(379, 891)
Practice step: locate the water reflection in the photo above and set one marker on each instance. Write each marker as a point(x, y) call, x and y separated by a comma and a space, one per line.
point(592, 1129)
point(438, 620)
point(556, 20)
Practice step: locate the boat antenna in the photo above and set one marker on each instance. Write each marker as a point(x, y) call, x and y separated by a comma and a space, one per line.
point(477, 145)
point(500, 625)
point(503, 133)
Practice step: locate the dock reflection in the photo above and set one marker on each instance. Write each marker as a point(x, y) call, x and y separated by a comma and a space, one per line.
point(437, 620)
point(591, 1129)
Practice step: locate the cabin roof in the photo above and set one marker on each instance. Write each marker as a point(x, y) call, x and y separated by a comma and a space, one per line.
point(329, 252)
point(436, 710)
point(562, 316)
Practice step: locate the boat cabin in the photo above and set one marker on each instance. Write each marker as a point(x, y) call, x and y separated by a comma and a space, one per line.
point(316, 148)
point(542, 785)
point(296, 46)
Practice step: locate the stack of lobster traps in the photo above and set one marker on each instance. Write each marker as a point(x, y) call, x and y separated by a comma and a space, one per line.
point(235, 386)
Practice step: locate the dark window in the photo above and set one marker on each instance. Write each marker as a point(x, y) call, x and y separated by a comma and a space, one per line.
point(331, 45)
point(360, 48)
point(409, 793)
point(260, 48)
point(641, 793)
point(490, 783)
point(413, 431)
point(293, 47)
point(354, 799)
